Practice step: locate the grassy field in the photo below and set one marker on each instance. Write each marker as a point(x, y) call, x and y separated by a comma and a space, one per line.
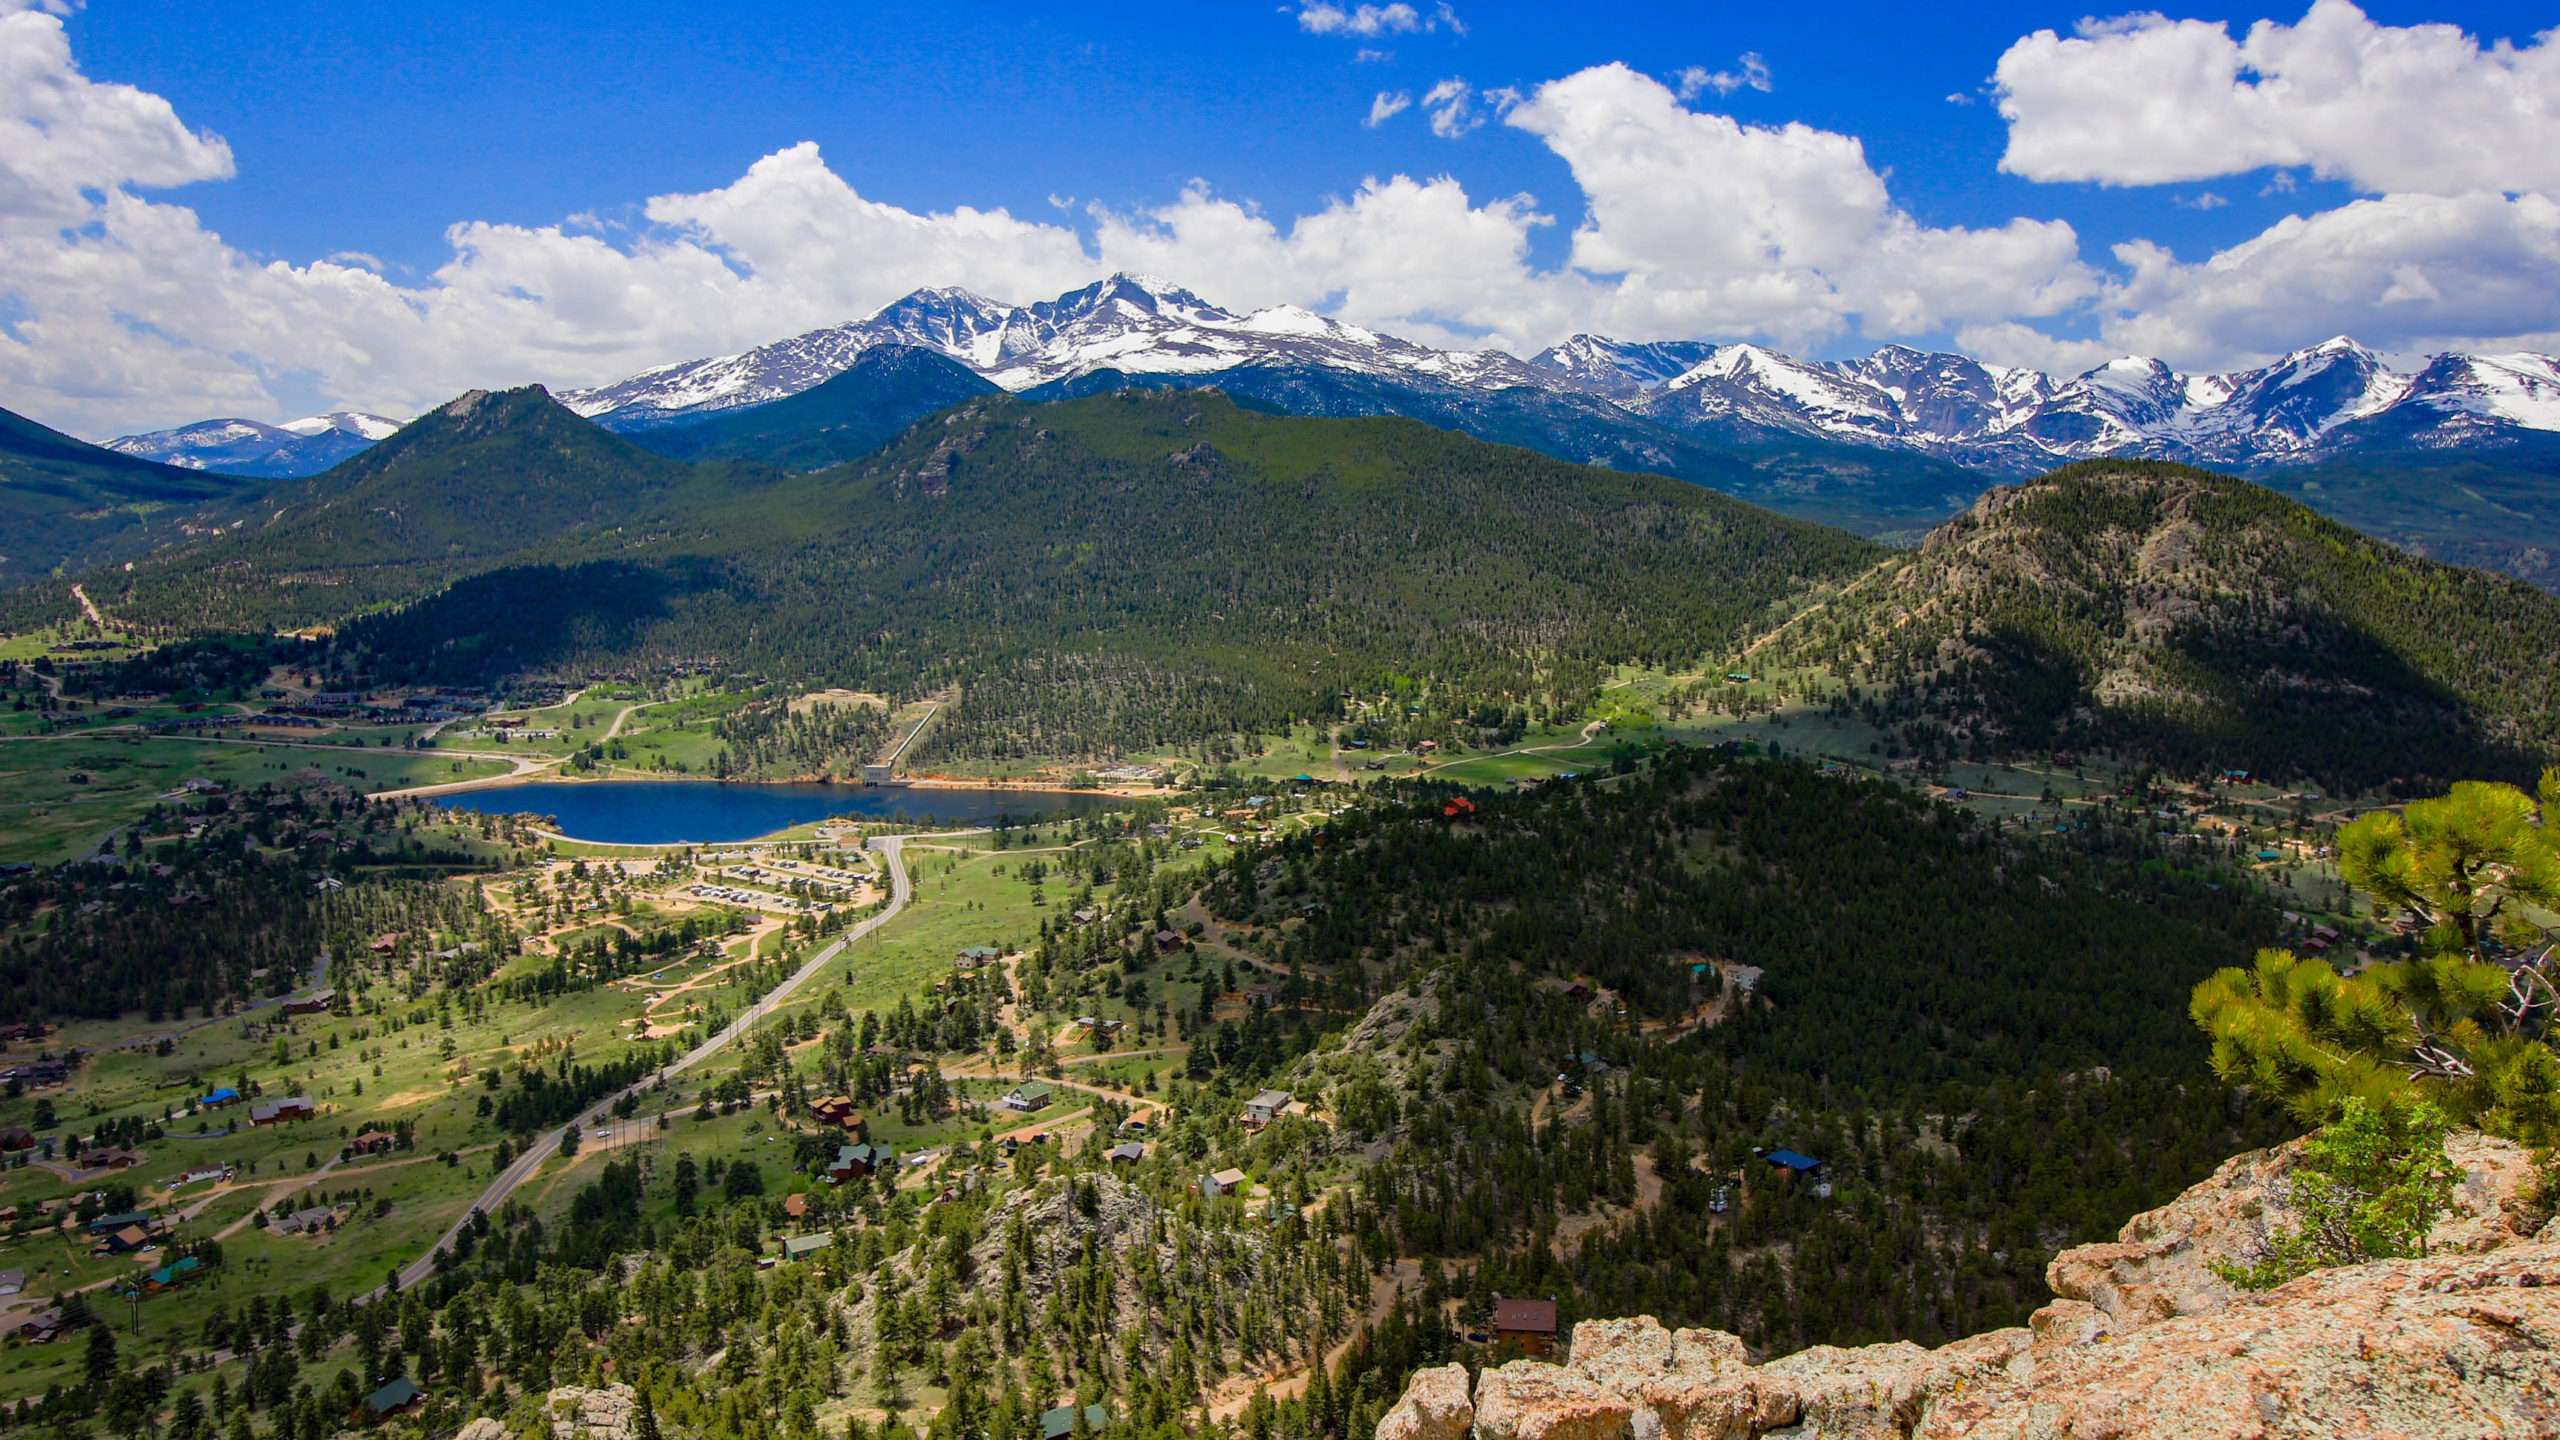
point(60, 795)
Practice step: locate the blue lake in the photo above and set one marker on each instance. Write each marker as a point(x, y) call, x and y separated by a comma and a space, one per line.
point(666, 812)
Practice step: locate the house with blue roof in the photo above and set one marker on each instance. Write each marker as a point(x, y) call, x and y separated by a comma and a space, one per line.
point(1793, 1162)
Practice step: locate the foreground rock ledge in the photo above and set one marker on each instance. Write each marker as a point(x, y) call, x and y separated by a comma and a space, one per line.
point(2144, 1341)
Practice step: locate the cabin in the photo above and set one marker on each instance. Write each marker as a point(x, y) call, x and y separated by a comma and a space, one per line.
point(110, 1157)
point(173, 1274)
point(124, 1241)
point(1127, 1152)
point(12, 1282)
point(837, 1112)
point(1222, 1182)
point(372, 1142)
point(49, 1323)
point(1028, 1097)
point(216, 1099)
point(310, 1220)
point(276, 1112)
point(1266, 1107)
point(1792, 1165)
point(796, 1206)
point(392, 1398)
point(1060, 1423)
point(1168, 941)
point(315, 1003)
point(853, 1162)
point(109, 1224)
point(800, 1247)
point(1526, 1327)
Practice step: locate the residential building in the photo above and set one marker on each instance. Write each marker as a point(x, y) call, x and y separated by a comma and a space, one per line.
point(276, 1112)
point(1527, 1327)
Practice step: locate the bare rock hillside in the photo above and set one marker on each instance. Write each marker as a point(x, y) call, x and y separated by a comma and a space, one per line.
point(2143, 1341)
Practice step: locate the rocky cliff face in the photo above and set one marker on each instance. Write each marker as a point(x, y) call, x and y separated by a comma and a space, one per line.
point(2143, 1340)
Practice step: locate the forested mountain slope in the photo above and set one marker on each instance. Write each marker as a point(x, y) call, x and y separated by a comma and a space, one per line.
point(1871, 491)
point(1976, 1033)
point(65, 502)
point(1100, 572)
point(2201, 621)
point(483, 479)
point(886, 389)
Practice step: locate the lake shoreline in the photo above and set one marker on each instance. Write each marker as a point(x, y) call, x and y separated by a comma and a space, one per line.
point(699, 812)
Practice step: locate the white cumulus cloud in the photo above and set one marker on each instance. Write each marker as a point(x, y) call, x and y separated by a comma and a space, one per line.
point(1719, 228)
point(2147, 100)
point(1388, 105)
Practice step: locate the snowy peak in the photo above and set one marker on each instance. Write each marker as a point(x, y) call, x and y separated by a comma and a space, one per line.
point(344, 422)
point(1617, 367)
point(248, 447)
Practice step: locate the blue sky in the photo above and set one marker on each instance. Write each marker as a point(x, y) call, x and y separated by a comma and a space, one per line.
point(371, 127)
point(354, 138)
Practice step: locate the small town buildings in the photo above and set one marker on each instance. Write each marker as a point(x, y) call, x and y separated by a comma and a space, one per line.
point(110, 1157)
point(109, 1224)
point(1060, 1423)
point(1266, 1107)
point(1527, 1327)
point(175, 1273)
point(1027, 1097)
point(276, 1112)
point(802, 1246)
point(1222, 1182)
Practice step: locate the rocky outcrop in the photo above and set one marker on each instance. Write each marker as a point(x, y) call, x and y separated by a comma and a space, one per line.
point(576, 1413)
point(2144, 1340)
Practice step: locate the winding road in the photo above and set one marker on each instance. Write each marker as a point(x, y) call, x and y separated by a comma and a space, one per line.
point(506, 1182)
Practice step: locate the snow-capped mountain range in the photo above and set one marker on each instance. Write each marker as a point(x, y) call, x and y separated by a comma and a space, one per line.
point(1952, 407)
point(1126, 323)
point(245, 447)
point(2331, 398)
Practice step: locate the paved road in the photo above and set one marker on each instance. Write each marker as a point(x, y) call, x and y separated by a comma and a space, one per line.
point(507, 1181)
